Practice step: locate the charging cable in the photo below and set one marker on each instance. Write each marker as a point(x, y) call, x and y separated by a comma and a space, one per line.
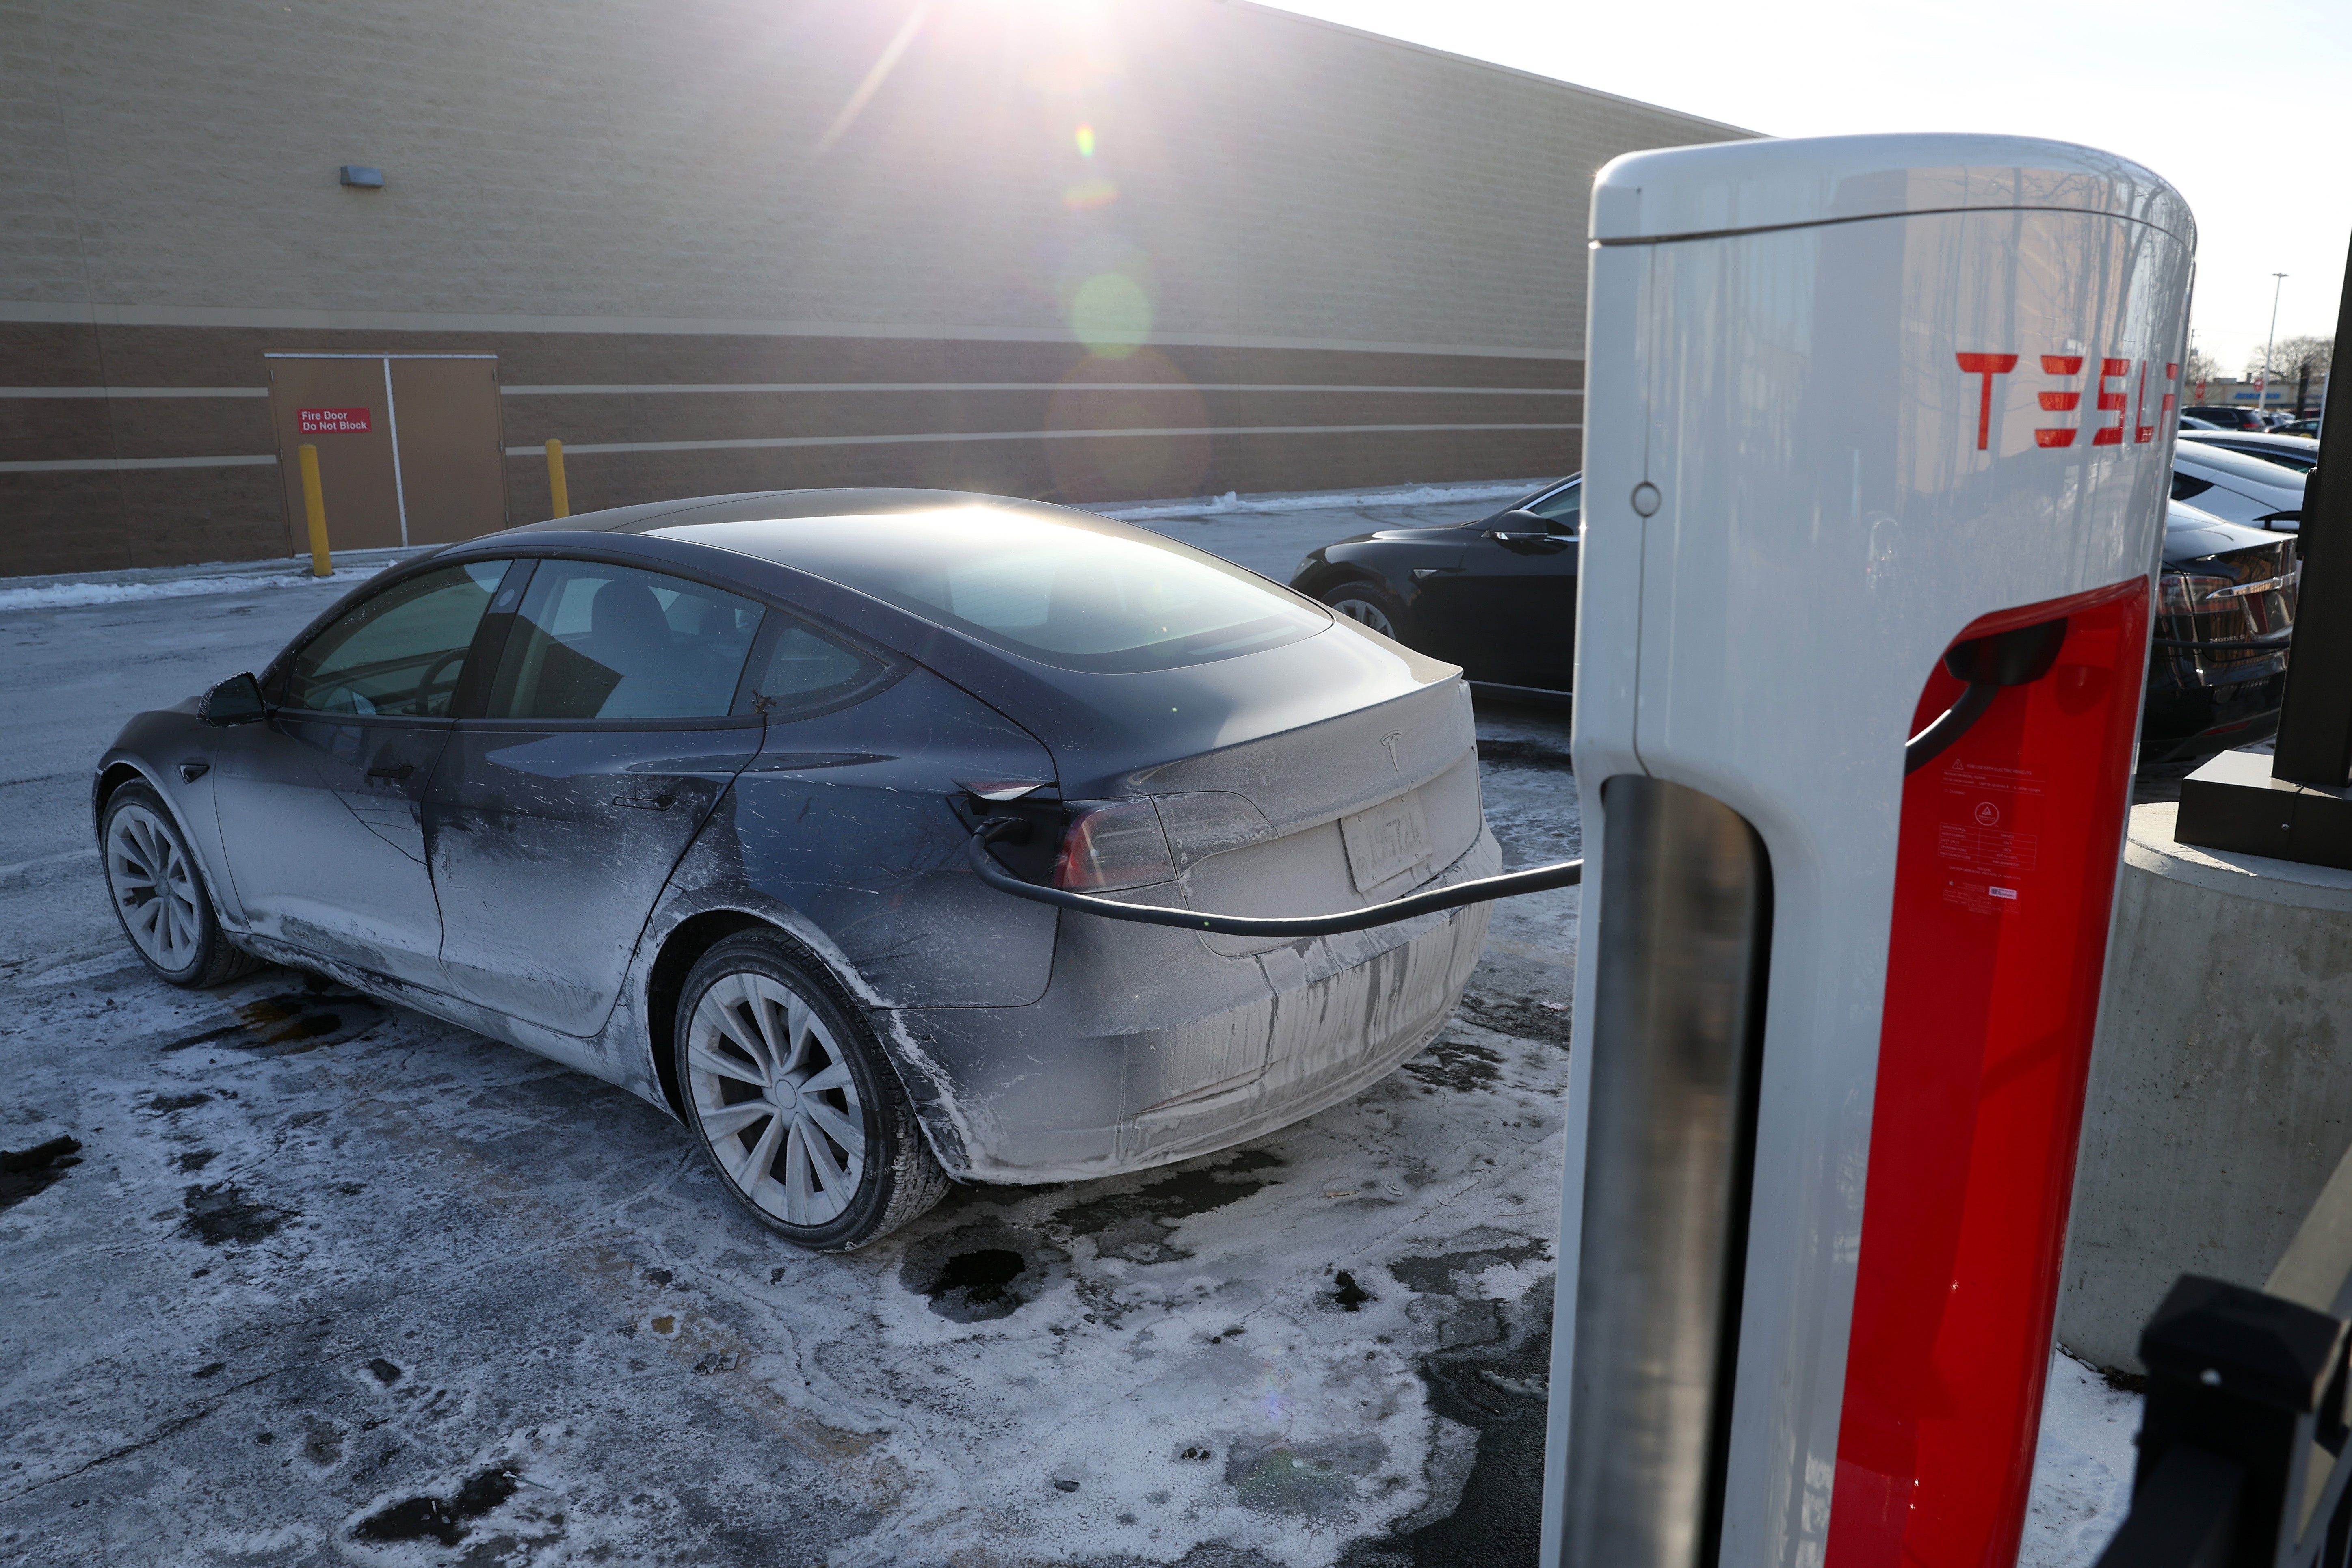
point(1012, 830)
point(1987, 664)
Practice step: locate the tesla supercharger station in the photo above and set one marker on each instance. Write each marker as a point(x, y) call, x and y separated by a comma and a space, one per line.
point(1877, 429)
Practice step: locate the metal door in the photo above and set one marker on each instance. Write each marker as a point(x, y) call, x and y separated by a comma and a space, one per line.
point(342, 406)
point(452, 473)
point(410, 448)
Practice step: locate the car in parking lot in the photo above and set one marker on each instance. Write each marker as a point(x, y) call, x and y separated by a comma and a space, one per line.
point(2237, 485)
point(1498, 597)
point(2230, 416)
point(2298, 453)
point(2218, 649)
point(680, 795)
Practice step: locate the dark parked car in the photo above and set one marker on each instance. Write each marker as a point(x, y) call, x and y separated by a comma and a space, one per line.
point(2217, 663)
point(1498, 597)
point(2230, 416)
point(2299, 453)
point(680, 795)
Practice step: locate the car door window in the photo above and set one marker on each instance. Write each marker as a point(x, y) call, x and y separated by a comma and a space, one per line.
point(400, 653)
point(598, 641)
point(1563, 508)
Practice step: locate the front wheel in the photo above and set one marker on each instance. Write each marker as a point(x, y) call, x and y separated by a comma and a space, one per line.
point(789, 1093)
point(1370, 605)
point(159, 893)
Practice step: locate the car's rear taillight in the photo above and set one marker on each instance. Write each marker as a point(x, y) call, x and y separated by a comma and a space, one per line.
point(1119, 843)
point(2259, 604)
point(2180, 592)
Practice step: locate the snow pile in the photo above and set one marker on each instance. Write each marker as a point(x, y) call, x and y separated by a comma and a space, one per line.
point(71, 595)
point(2082, 1470)
point(1327, 500)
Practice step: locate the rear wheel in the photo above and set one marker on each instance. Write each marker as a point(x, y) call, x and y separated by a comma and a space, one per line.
point(1370, 605)
point(789, 1093)
point(159, 893)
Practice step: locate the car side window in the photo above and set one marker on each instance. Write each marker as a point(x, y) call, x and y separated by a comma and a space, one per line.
point(804, 670)
point(399, 653)
point(1563, 508)
point(598, 641)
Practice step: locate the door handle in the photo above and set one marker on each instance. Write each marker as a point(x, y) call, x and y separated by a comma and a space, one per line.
point(645, 801)
point(400, 772)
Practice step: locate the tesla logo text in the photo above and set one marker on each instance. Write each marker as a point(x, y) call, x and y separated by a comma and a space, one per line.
point(2110, 385)
point(1393, 739)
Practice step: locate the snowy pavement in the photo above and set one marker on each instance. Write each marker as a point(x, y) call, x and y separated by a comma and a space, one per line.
point(329, 1280)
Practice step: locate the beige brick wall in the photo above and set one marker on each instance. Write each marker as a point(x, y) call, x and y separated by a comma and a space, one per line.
point(1273, 176)
point(656, 189)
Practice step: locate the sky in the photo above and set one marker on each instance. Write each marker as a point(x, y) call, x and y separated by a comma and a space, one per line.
point(2246, 109)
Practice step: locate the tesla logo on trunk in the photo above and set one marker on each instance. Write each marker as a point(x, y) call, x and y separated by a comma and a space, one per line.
point(1393, 740)
point(2105, 400)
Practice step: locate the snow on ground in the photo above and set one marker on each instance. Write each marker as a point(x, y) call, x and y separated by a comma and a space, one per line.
point(67, 595)
point(328, 1279)
point(2083, 1471)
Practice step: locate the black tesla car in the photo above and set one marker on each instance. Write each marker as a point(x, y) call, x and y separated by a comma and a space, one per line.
point(1497, 596)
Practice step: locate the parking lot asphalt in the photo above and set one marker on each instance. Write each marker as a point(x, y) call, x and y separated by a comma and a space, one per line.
point(323, 1280)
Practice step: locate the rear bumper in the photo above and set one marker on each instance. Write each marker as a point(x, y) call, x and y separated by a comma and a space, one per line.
point(2192, 713)
point(1148, 1047)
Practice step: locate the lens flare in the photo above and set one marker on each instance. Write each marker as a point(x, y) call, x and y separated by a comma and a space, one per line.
point(1089, 193)
point(1111, 315)
point(1086, 141)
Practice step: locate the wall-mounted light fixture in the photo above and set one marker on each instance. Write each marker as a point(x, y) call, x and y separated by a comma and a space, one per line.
point(358, 174)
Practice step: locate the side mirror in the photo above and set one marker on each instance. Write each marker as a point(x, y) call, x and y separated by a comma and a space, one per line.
point(1512, 526)
point(236, 700)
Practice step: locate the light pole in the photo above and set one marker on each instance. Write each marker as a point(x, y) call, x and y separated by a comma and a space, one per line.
point(2262, 387)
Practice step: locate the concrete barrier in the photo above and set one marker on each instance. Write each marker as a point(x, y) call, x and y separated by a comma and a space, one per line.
point(2220, 1091)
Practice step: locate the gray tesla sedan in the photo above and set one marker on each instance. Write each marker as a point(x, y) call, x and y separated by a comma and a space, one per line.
point(679, 795)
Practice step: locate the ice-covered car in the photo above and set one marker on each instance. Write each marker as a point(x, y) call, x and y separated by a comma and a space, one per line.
point(681, 794)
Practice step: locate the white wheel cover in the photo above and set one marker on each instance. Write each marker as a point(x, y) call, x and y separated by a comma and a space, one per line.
point(155, 888)
point(776, 1098)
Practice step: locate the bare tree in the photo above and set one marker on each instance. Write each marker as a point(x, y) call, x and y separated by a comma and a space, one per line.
point(2201, 368)
point(2291, 358)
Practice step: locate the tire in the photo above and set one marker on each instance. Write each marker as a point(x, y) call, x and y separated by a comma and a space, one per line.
point(844, 1162)
point(1371, 604)
point(158, 894)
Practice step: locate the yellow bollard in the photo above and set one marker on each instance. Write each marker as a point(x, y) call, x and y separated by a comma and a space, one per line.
point(555, 485)
point(314, 506)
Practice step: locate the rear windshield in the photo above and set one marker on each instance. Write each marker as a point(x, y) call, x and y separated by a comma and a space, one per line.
point(2221, 460)
point(1074, 592)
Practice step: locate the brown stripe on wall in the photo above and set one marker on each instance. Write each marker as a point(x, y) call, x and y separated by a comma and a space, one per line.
point(96, 520)
point(1149, 468)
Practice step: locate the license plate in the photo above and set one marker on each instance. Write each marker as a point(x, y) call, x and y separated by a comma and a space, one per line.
point(1391, 838)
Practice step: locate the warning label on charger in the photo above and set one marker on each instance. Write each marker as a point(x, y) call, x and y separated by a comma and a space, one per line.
point(332, 421)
